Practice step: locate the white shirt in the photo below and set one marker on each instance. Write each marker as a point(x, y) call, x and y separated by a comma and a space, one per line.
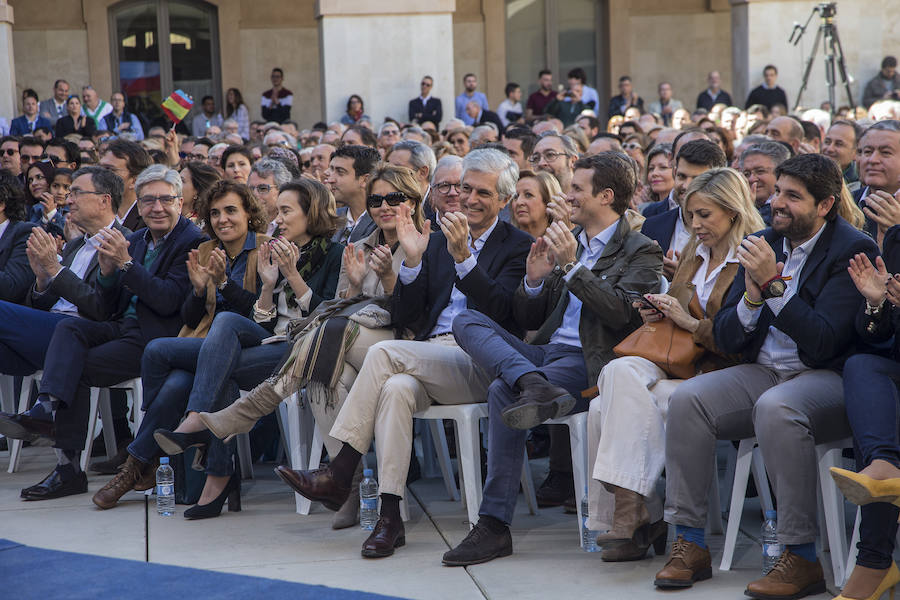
point(79, 266)
point(673, 203)
point(568, 330)
point(681, 235)
point(457, 302)
point(505, 107)
point(3, 227)
point(704, 280)
point(779, 351)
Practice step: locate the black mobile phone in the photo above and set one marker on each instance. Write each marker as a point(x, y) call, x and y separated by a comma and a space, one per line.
point(638, 297)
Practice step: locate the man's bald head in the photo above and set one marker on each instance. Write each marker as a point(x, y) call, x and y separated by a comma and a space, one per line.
point(786, 129)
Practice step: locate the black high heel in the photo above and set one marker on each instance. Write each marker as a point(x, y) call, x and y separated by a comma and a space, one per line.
point(173, 443)
point(231, 493)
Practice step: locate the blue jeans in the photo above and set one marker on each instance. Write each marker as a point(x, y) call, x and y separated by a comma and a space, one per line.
point(24, 337)
point(507, 357)
point(873, 408)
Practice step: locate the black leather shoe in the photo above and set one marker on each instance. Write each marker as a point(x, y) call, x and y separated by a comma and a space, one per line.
point(557, 489)
point(387, 535)
point(538, 400)
point(54, 486)
point(24, 427)
point(481, 545)
point(318, 485)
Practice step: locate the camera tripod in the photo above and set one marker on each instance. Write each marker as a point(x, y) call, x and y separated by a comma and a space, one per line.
point(834, 52)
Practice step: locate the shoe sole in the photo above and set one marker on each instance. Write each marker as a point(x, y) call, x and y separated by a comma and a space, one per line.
point(816, 588)
point(859, 494)
point(32, 498)
point(170, 447)
point(702, 575)
point(15, 431)
point(401, 541)
point(528, 416)
point(326, 503)
point(464, 563)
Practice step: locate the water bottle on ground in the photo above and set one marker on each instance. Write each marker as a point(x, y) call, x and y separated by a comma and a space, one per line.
point(368, 500)
point(771, 549)
point(588, 536)
point(165, 488)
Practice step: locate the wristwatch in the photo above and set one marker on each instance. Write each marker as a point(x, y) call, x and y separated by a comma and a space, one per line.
point(568, 267)
point(774, 288)
point(221, 286)
point(126, 265)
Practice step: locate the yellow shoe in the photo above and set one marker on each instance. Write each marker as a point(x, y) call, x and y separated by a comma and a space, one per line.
point(861, 489)
point(891, 579)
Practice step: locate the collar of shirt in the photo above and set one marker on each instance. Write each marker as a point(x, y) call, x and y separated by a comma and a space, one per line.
point(703, 252)
point(3, 227)
point(712, 94)
point(249, 244)
point(806, 247)
point(425, 99)
point(595, 246)
point(477, 244)
point(673, 203)
point(151, 245)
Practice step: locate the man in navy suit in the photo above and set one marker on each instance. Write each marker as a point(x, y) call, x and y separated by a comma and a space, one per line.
point(142, 284)
point(31, 120)
point(426, 107)
point(15, 275)
point(668, 229)
point(879, 172)
point(475, 261)
point(790, 316)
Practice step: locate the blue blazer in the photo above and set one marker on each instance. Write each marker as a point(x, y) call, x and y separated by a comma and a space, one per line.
point(820, 317)
point(19, 125)
point(871, 227)
point(161, 290)
point(16, 276)
point(656, 208)
point(661, 228)
point(765, 211)
point(489, 287)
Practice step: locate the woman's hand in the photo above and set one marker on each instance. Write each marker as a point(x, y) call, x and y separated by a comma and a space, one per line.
point(216, 267)
point(413, 241)
point(48, 204)
point(354, 267)
point(672, 309)
point(871, 281)
point(382, 263)
point(286, 255)
point(266, 267)
point(559, 211)
point(198, 275)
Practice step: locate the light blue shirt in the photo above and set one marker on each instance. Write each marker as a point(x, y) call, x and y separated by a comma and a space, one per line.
point(779, 350)
point(464, 99)
point(568, 331)
point(457, 302)
point(135, 129)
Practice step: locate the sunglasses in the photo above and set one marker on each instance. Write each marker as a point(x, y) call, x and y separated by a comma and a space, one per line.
point(393, 199)
point(306, 164)
point(10, 151)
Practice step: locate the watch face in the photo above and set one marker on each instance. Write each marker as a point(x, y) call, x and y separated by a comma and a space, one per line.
point(777, 287)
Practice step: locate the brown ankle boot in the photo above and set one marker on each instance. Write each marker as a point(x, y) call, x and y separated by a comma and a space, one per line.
point(348, 515)
point(629, 515)
point(148, 481)
point(242, 414)
point(129, 474)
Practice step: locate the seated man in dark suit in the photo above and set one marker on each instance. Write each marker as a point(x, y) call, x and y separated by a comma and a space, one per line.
point(15, 276)
point(790, 314)
point(480, 116)
point(426, 107)
point(142, 284)
point(30, 120)
point(475, 261)
point(63, 289)
point(668, 229)
point(574, 294)
point(879, 172)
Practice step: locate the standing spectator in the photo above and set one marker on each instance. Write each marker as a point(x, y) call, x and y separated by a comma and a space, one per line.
point(94, 107)
point(237, 110)
point(626, 99)
point(30, 120)
point(666, 105)
point(54, 108)
point(276, 102)
point(885, 85)
point(74, 121)
point(713, 94)
point(356, 112)
point(120, 120)
point(538, 101)
point(426, 107)
point(207, 118)
point(510, 110)
point(589, 96)
point(768, 93)
point(470, 81)
point(567, 105)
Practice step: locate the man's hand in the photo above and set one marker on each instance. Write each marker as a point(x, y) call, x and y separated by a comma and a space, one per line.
point(539, 263)
point(41, 252)
point(758, 259)
point(172, 148)
point(559, 211)
point(882, 208)
point(413, 241)
point(112, 253)
point(893, 290)
point(456, 229)
point(670, 263)
point(562, 243)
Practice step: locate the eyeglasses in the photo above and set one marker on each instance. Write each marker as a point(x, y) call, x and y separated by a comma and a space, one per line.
point(631, 146)
point(79, 192)
point(49, 158)
point(445, 187)
point(10, 151)
point(151, 200)
point(425, 84)
point(263, 188)
point(759, 172)
point(31, 157)
point(549, 156)
point(393, 199)
point(197, 157)
point(306, 164)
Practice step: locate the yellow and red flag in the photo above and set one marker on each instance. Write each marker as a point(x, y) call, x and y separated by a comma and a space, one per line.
point(177, 106)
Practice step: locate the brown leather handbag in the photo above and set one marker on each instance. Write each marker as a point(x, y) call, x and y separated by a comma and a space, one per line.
point(666, 345)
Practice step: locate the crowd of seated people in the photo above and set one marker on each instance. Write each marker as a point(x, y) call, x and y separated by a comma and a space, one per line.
point(517, 265)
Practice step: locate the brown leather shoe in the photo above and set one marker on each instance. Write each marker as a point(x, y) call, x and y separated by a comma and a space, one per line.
point(131, 473)
point(387, 535)
point(792, 577)
point(148, 481)
point(688, 563)
point(317, 485)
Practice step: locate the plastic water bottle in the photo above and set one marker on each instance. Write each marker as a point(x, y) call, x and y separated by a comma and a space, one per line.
point(588, 536)
point(368, 501)
point(165, 488)
point(771, 549)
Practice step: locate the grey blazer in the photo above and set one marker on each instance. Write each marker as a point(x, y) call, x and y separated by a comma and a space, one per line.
point(47, 109)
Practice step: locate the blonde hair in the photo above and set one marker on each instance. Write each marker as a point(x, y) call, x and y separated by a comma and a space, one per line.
point(848, 209)
point(404, 181)
point(548, 186)
point(729, 191)
point(579, 136)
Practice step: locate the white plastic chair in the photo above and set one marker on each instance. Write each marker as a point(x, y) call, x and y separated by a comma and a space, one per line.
point(578, 437)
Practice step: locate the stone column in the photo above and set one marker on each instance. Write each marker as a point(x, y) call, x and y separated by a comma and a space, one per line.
point(380, 50)
point(8, 105)
point(740, 51)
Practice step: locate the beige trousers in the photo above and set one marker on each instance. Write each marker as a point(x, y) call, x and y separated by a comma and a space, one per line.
point(627, 435)
point(397, 379)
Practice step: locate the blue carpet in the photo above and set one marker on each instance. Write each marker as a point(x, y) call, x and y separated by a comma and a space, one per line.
point(28, 573)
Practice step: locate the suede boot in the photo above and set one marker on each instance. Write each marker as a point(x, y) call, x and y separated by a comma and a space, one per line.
point(630, 514)
point(242, 414)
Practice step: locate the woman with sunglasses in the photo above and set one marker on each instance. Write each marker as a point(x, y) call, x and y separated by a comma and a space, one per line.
point(74, 121)
point(368, 274)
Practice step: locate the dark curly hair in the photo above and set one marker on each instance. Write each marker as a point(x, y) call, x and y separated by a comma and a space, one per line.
point(222, 188)
point(12, 196)
point(203, 177)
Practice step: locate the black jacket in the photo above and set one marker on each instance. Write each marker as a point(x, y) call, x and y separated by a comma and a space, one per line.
point(661, 227)
point(15, 272)
point(420, 113)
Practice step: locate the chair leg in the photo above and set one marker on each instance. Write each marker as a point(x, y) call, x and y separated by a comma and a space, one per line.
point(578, 443)
point(470, 464)
point(15, 446)
point(738, 492)
point(7, 393)
point(854, 551)
point(439, 439)
point(298, 456)
point(106, 422)
point(242, 440)
point(714, 512)
point(92, 428)
point(833, 508)
point(528, 485)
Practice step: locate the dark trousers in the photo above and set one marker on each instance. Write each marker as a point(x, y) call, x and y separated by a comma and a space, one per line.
point(507, 358)
point(25, 334)
point(84, 354)
point(873, 408)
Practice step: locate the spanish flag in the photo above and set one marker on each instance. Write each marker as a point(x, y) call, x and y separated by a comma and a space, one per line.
point(177, 106)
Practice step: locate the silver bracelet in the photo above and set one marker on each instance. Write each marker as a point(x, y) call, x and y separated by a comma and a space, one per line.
point(263, 315)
